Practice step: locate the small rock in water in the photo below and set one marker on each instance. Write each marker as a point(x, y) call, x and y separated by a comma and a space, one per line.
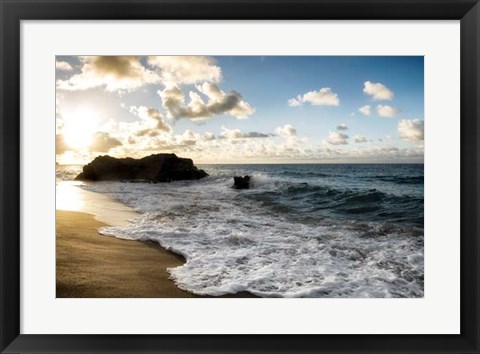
point(241, 182)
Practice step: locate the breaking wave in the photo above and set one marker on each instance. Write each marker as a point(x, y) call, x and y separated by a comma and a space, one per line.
point(300, 231)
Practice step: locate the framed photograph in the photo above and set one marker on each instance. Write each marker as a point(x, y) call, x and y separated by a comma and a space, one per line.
point(237, 176)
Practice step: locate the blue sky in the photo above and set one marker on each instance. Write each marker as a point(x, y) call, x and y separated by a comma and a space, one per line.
point(242, 109)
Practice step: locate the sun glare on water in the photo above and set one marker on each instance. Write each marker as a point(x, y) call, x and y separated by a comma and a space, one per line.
point(79, 128)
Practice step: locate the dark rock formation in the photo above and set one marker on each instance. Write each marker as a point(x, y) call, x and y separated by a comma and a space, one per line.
point(153, 168)
point(241, 182)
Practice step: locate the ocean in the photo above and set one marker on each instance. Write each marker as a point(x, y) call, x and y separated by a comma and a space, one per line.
point(313, 230)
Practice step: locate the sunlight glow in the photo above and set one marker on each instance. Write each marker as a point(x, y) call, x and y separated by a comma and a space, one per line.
point(80, 127)
point(69, 196)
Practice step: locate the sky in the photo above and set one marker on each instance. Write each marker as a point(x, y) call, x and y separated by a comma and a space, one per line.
point(241, 109)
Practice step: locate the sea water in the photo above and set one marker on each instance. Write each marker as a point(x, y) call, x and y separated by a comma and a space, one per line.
point(300, 231)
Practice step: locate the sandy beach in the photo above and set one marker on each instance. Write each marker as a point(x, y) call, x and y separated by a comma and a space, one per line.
point(96, 266)
point(89, 265)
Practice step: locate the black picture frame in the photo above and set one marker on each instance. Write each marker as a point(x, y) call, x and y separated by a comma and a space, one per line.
point(14, 11)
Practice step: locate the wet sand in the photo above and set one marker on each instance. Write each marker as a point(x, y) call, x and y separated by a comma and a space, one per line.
point(92, 265)
point(89, 265)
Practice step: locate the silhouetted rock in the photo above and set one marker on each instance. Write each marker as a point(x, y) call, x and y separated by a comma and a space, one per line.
point(240, 182)
point(153, 168)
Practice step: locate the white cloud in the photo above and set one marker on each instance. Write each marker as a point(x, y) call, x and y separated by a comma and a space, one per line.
point(103, 142)
point(173, 101)
point(186, 69)
point(286, 131)
point(187, 138)
point(387, 111)
point(208, 136)
point(411, 130)
point(128, 73)
point(377, 90)
point(322, 97)
point(342, 126)
point(335, 138)
point(293, 102)
point(219, 102)
point(233, 134)
point(115, 73)
point(365, 110)
point(359, 139)
point(63, 65)
point(152, 121)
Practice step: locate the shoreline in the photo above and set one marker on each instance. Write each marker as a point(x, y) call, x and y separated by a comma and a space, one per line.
point(90, 265)
point(71, 197)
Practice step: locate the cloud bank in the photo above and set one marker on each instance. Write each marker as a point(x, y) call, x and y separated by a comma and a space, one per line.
point(411, 130)
point(286, 131)
point(335, 138)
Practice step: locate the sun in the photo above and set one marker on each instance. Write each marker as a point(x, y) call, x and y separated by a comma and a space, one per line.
point(79, 128)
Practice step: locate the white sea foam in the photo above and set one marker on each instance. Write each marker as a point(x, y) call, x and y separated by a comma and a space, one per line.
point(233, 243)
